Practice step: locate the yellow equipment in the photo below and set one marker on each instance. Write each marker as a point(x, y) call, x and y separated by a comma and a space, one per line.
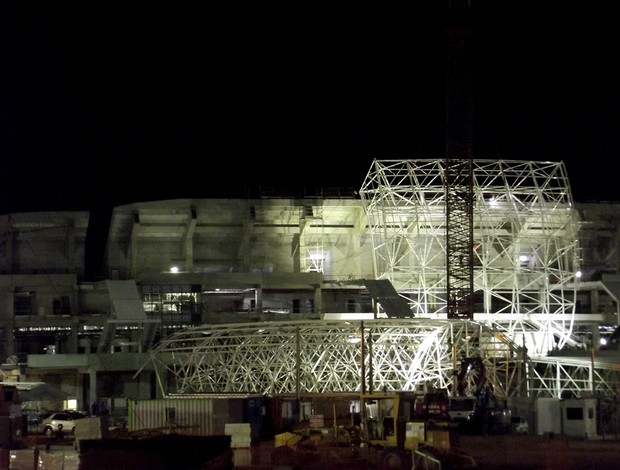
point(390, 425)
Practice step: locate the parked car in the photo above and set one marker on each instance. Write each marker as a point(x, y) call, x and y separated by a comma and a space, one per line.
point(76, 414)
point(60, 421)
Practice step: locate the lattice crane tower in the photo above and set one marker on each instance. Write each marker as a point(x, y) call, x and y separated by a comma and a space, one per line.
point(457, 174)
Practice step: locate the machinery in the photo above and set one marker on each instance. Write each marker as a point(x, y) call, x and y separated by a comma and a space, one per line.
point(462, 410)
point(433, 405)
point(391, 426)
point(476, 408)
point(389, 430)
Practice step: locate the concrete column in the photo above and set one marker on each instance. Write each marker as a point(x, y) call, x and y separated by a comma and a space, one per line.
point(318, 299)
point(12, 254)
point(92, 390)
point(595, 303)
point(133, 246)
point(70, 247)
point(72, 343)
point(188, 241)
point(259, 299)
point(296, 250)
point(596, 336)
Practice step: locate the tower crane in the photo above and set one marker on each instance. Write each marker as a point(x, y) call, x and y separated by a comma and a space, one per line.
point(458, 165)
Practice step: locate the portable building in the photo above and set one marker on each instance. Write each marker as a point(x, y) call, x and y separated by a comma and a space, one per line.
point(200, 416)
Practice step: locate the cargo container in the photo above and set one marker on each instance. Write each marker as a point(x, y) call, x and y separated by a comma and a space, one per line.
point(196, 416)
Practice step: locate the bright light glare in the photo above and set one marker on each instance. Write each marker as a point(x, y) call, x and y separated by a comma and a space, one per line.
point(174, 269)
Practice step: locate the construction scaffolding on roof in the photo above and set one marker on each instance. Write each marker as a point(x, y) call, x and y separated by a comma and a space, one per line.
point(526, 254)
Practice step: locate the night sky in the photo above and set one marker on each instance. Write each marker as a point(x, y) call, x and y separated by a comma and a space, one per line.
point(104, 104)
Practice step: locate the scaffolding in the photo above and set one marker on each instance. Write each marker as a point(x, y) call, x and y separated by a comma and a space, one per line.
point(526, 254)
point(300, 357)
point(312, 252)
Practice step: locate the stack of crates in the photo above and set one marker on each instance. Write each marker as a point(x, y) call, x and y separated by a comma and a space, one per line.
point(240, 434)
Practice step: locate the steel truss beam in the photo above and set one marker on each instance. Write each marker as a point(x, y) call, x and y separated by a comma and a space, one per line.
point(331, 356)
point(567, 377)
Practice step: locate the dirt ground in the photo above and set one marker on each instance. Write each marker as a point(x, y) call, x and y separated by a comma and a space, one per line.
point(494, 452)
point(508, 452)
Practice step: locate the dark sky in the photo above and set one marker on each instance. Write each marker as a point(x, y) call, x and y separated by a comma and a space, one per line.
point(104, 104)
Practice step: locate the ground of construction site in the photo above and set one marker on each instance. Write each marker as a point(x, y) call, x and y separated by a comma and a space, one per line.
point(492, 452)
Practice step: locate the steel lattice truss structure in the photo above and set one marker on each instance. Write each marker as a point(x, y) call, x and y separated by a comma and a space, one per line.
point(525, 243)
point(332, 356)
point(555, 376)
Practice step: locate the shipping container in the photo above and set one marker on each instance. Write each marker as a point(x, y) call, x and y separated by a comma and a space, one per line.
point(196, 416)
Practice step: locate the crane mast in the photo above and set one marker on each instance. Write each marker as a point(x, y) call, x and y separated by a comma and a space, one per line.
point(458, 169)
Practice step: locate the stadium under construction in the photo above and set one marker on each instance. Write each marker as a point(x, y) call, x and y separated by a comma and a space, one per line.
point(526, 327)
point(338, 292)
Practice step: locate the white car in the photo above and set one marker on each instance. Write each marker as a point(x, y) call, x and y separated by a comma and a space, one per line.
point(60, 421)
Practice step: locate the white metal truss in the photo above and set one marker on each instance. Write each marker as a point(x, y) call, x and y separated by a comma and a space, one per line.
point(570, 376)
point(333, 356)
point(311, 238)
point(525, 243)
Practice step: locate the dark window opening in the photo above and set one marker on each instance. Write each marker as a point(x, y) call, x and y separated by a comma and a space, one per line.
point(574, 413)
point(62, 306)
point(23, 303)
